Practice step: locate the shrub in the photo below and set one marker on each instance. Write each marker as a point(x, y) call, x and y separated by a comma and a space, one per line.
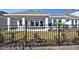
point(78, 32)
point(1, 38)
point(12, 36)
point(37, 38)
point(76, 40)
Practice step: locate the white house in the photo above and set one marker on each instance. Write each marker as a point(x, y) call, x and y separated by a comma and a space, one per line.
point(39, 21)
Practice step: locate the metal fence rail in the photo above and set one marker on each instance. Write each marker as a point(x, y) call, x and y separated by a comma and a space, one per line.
point(21, 39)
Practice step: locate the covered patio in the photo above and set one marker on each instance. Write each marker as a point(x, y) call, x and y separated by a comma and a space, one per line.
point(30, 23)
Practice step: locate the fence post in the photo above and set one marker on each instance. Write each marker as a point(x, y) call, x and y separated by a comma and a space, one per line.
point(25, 38)
point(59, 35)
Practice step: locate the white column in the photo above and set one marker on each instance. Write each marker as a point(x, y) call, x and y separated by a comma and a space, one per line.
point(57, 25)
point(18, 24)
point(63, 20)
point(8, 23)
point(78, 23)
point(74, 22)
point(46, 22)
point(23, 22)
point(52, 21)
point(57, 20)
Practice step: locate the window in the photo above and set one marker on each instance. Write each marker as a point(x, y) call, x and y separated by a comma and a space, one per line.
point(72, 22)
point(54, 21)
point(32, 23)
point(41, 23)
point(20, 22)
point(59, 21)
point(37, 23)
point(26, 22)
point(76, 22)
point(50, 24)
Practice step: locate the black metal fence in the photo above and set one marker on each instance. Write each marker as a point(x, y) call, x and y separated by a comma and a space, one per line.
point(54, 36)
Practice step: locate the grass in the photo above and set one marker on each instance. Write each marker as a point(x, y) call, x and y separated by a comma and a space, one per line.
point(49, 35)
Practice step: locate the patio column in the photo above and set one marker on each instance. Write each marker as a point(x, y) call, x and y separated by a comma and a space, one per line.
point(57, 20)
point(57, 25)
point(23, 22)
point(52, 21)
point(18, 24)
point(78, 23)
point(46, 24)
point(8, 23)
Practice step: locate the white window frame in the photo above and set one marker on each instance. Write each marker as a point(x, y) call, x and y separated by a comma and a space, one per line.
point(36, 21)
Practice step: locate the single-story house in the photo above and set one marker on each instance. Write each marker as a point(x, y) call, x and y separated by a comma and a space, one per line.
point(37, 21)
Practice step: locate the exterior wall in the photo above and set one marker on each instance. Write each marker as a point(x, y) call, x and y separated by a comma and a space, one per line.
point(13, 24)
point(3, 23)
point(78, 22)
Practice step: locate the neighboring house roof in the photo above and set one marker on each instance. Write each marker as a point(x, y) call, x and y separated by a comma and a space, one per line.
point(71, 11)
point(67, 15)
point(64, 16)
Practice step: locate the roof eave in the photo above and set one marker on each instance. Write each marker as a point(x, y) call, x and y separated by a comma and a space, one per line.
point(26, 14)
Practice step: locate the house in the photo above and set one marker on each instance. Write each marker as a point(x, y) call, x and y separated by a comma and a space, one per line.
point(38, 21)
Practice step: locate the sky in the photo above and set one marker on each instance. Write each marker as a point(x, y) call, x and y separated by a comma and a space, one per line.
point(52, 11)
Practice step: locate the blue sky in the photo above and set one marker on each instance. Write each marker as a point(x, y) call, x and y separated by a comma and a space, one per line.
point(52, 11)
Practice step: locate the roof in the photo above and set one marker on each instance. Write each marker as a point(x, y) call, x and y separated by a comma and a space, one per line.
point(31, 12)
point(39, 13)
point(28, 13)
point(73, 10)
point(64, 16)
